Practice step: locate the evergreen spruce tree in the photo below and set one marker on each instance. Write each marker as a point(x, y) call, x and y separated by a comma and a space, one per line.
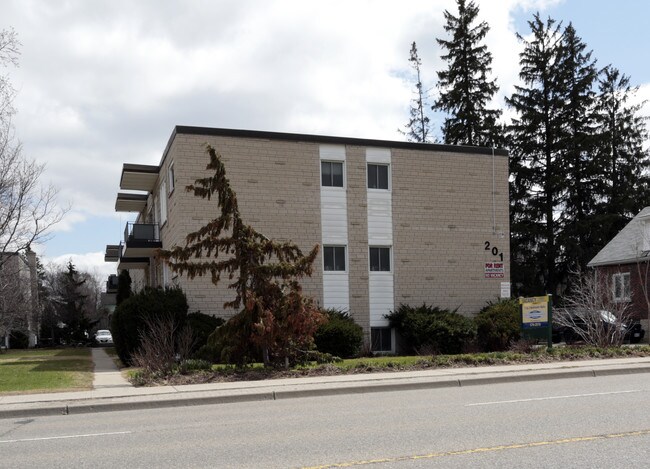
point(624, 161)
point(577, 225)
point(538, 135)
point(465, 90)
point(418, 127)
point(71, 305)
point(275, 316)
point(123, 287)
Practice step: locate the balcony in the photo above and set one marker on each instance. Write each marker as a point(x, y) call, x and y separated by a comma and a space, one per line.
point(141, 240)
point(130, 202)
point(111, 284)
point(138, 177)
point(112, 253)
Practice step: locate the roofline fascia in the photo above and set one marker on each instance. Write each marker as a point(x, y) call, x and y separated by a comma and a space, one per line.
point(293, 137)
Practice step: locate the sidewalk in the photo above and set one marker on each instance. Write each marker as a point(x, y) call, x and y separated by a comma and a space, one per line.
point(112, 392)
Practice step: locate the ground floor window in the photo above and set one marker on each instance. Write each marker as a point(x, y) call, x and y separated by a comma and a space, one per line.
point(621, 287)
point(381, 339)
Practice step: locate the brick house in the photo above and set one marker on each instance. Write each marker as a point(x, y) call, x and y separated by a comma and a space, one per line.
point(397, 222)
point(624, 262)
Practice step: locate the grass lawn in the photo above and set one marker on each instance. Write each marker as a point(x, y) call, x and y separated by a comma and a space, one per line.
point(45, 370)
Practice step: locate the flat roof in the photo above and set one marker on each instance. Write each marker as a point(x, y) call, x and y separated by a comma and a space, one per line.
point(191, 130)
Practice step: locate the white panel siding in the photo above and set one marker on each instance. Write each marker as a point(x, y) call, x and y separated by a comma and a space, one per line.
point(380, 233)
point(334, 222)
point(381, 297)
point(334, 215)
point(380, 218)
point(336, 290)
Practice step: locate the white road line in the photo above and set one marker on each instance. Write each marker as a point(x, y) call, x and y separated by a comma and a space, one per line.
point(63, 437)
point(573, 396)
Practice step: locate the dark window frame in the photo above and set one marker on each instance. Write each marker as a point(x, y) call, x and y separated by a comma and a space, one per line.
point(377, 181)
point(331, 251)
point(380, 259)
point(381, 339)
point(328, 178)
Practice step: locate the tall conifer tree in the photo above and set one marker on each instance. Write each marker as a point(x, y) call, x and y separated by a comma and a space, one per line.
point(418, 127)
point(624, 161)
point(577, 223)
point(465, 90)
point(538, 136)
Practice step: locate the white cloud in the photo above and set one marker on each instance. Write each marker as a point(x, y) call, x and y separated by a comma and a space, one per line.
point(91, 262)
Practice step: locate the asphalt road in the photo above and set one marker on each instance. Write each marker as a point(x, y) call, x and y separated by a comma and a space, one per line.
point(584, 422)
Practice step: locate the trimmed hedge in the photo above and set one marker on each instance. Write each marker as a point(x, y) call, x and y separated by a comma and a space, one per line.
point(498, 325)
point(130, 316)
point(340, 336)
point(427, 329)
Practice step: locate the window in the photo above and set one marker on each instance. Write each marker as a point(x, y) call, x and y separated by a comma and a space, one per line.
point(331, 174)
point(621, 287)
point(381, 339)
point(377, 176)
point(163, 203)
point(334, 258)
point(380, 259)
point(170, 177)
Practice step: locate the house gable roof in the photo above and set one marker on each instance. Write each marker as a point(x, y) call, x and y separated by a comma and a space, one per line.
point(627, 246)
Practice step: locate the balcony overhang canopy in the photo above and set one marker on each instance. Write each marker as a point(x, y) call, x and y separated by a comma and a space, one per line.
point(128, 263)
point(138, 177)
point(112, 253)
point(130, 202)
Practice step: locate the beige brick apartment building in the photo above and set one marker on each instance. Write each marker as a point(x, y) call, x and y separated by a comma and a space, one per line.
point(397, 222)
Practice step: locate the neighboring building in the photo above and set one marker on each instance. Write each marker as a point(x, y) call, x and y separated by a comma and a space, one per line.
point(624, 261)
point(397, 222)
point(108, 302)
point(19, 306)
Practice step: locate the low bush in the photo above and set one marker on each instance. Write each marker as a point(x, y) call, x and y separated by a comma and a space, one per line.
point(431, 328)
point(498, 325)
point(129, 322)
point(202, 325)
point(340, 336)
point(18, 339)
point(193, 364)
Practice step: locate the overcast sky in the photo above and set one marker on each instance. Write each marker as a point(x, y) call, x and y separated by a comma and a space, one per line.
point(102, 83)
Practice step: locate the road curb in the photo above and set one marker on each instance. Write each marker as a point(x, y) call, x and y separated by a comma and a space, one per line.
point(195, 398)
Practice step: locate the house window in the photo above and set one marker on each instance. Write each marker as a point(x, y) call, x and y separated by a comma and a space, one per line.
point(377, 176)
point(381, 339)
point(334, 258)
point(331, 173)
point(379, 259)
point(621, 287)
point(170, 177)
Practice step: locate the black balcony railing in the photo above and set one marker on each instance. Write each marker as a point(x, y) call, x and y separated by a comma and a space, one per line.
point(111, 284)
point(141, 232)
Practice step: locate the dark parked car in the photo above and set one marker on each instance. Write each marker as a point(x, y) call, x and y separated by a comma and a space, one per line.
point(632, 330)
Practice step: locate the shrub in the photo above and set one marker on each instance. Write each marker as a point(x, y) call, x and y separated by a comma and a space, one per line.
point(435, 329)
point(162, 343)
point(202, 326)
point(192, 364)
point(339, 336)
point(129, 319)
point(18, 339)
point(498, 325)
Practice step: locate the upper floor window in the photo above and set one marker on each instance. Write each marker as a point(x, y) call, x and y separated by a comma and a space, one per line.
point(380, 259)
point(331, 173)
point(621, 287)
point(334, 258)
point(377, 176)
point(170, 177)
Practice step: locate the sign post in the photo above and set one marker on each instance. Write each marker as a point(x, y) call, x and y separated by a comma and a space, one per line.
point(537, 318)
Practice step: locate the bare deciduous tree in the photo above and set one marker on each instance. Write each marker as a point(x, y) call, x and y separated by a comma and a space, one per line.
point(27, 209)
point(591, 313)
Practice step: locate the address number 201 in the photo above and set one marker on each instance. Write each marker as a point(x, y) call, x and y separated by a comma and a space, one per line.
point(494, 250)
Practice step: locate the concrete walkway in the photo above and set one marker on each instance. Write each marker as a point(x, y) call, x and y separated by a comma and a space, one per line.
point(106, 374)
point(115, 394)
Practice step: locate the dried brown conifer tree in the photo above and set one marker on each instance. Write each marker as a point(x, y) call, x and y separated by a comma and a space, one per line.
point(274, 316)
